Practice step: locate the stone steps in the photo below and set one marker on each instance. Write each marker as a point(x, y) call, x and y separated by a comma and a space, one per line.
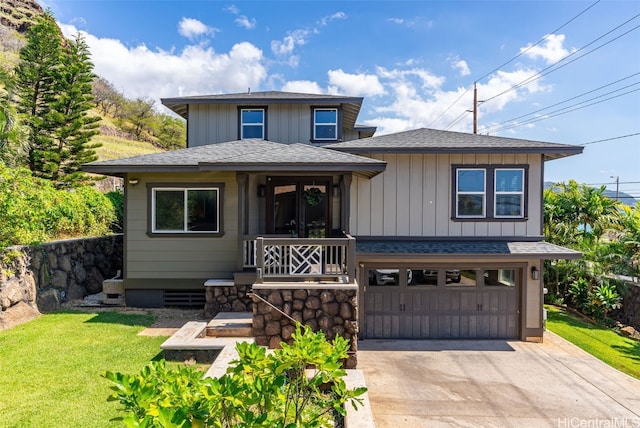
point(230, 324)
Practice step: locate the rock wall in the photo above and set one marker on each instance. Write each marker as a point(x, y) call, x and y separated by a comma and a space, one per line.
point(334, 312)
point(46, 275)
point(227, 299)
point(631, 306)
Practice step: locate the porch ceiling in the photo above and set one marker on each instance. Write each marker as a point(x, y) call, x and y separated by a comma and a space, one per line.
point(462, 248)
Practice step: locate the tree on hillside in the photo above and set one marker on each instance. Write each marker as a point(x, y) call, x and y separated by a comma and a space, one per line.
point(73, 126)
point(12, 133)
point(109, 100)
point(36, 81)
point(54, 89)
point(138, 116)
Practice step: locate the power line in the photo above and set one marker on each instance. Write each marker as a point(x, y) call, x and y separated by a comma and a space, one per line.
point(539, 41)
point(570, 99)
point(522, 52)
point(565, 110)
point(456, 120)
point(549, 69)
point(611, 139)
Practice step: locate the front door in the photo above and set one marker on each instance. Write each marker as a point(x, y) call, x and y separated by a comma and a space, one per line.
point(299, 207)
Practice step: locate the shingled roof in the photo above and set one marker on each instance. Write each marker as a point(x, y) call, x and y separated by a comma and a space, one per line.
point(448, 248)
point(426, 140)
point(243, 155)
point(350, 105)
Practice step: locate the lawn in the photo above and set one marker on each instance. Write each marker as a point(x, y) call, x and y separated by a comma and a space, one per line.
point(619, 352)
point(50, 367)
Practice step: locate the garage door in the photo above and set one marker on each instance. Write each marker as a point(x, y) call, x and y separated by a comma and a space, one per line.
point(442, 303)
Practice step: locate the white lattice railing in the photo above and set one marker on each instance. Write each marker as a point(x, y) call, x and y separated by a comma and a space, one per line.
point(278, 259)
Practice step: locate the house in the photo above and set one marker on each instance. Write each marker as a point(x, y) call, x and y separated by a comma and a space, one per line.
point(281, 200)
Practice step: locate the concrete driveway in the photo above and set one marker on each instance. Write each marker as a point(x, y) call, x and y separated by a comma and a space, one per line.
point(488, 383)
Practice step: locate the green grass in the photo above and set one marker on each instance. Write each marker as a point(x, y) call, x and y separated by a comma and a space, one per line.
point(116, 148)
point(619, 352)
point(50, 367)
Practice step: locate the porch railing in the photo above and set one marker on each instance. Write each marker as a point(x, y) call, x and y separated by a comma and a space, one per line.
point(295, 259)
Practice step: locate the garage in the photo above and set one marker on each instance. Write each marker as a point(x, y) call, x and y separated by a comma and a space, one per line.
point(441, 302)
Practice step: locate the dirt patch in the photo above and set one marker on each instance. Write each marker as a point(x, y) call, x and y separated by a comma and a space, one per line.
point(17, 314)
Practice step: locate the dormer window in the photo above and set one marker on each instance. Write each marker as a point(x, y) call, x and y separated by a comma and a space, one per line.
point(252, 123)
point(325, 124)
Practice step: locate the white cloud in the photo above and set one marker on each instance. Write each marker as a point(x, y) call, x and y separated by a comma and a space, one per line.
point(461, 66)
point(303, 87)
point(192, 28)
point(354, 84)
point(285, 47)
point(233, 9)
point(243, 21)
point(398, 21)
point(139, 71)
point(551, 50)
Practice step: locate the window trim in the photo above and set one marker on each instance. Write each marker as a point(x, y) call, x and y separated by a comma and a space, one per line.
point(496, 193)
point(151, 209)
point(241, 124)
point(338, 124)
point(489, 214)
point(483, 193)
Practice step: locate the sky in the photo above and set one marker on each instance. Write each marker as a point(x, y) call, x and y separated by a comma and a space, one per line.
point(558, 71)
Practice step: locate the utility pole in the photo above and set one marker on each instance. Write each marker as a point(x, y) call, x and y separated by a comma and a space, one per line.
point(617, 185)
point(475, 108)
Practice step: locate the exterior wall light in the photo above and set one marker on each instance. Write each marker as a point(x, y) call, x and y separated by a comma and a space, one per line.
point(133, 181)
point(262, 190)
point(535, 273)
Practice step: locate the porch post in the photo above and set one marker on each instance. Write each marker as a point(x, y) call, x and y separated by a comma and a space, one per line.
point(345, 203)
point(351, 259)
point(259, 260)
point(241, 179)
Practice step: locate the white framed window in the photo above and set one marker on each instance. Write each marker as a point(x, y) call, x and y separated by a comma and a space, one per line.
point(252, 123)
point(185, 210)
point(471, 193)
point(509, 193)
point(325, 124)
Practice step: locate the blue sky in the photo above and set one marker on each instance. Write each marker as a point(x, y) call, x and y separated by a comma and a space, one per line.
point(411, 60)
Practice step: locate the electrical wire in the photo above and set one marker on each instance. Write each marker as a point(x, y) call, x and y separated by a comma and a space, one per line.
point(567, 100)
point(549, 69)
point(522, 52)
point(611, 139)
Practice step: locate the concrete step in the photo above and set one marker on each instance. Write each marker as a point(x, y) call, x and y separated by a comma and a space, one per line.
point(231, 324)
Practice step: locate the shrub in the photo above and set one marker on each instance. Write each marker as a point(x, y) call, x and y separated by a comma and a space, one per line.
point(117, 200)
point(300, 385)
point(32, 210)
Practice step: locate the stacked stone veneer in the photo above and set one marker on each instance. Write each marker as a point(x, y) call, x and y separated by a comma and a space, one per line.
point(631, 306)
point(47, 275)
point(227, 299)
point(332, 311)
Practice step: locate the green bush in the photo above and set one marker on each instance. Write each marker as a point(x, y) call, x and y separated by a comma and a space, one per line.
point(300, 385)
point(32, 210)
point(117, 200)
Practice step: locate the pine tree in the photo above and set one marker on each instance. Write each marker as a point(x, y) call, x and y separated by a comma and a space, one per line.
point(74, 127)
point(36, 86)
point(54, 85)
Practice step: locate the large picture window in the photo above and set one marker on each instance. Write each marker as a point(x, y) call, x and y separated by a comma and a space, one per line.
point(252, 123)
point(325, 124)
point(489, 192)
point(185, 210)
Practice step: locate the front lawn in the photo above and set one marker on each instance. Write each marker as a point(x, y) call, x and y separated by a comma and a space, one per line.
point(50, 367)
point(619, 352)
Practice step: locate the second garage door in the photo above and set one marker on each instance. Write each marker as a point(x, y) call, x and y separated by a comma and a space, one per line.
point(442, 303)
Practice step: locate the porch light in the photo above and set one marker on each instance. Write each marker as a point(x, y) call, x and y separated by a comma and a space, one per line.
point(336, 190)
point(133, 181)
point(535, 273)
point(262, 190)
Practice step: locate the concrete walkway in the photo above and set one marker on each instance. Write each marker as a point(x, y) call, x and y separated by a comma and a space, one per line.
point(495, 384)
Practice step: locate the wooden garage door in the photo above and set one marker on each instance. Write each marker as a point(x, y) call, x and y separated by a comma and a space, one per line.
point(487, 309)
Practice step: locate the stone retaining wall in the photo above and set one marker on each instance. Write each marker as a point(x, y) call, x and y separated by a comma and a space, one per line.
point(46, 275)
point(332, 311)
point(631, 306)
point(227, 299)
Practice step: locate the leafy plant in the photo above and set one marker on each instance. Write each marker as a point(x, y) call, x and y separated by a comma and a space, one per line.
point(300, 385)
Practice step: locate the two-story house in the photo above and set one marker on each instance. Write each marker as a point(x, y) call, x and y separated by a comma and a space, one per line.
point(438, 234)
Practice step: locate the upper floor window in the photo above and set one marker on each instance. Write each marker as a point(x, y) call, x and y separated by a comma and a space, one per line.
point(470, 192)
point(252, 123)
point(509, 196)
point(489, 192)
point(185, 210)
point(325, 124)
